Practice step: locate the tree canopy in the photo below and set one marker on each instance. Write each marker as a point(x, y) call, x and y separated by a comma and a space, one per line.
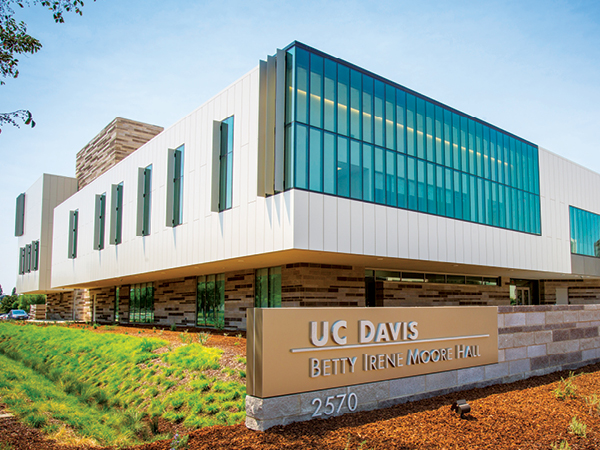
point(15, 41)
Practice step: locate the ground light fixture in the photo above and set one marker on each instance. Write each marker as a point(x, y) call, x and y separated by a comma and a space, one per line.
point(461, 407)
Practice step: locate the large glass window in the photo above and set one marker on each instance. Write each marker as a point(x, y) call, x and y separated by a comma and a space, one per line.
point(141, 303)
point(226, 165)
point(585, 232)
point(267, 288)
point(210, 300)
point(351, 133)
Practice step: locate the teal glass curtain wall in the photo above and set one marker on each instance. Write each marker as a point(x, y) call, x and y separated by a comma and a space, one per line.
point(353, 135)
point(585, 232)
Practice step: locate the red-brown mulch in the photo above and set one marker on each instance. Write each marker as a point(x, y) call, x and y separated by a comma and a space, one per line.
point(522, 415)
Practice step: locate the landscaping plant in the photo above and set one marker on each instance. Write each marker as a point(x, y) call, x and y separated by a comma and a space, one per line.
point(112, 388)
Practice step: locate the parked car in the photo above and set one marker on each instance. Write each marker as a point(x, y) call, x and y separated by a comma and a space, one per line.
point(17, 314)
point(3, 316)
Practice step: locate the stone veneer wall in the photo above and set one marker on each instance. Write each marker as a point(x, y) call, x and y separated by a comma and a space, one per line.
point(69, 305)
point(581, 292)
point(118, 139)
point(175, 301)
point(532, 340)
point(103, 301)
point(425, 294)
point(315, 285)
point(37, 312)
point(239, 296)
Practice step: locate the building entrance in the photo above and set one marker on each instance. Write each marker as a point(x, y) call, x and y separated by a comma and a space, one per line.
point(523, 295)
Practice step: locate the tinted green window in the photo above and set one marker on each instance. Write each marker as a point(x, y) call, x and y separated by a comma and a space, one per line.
point(99, 221)
point(378, 113)
point(401, 121)
point(117, 302)
point(343, 168)
point(343, 92)
point(367, 109)
point(210, 301)
point(402, 186)
point(141, 303)
point(431, 195)
point(20, 215)
point(356, 174)
point(411, 176)
point(316, 91)
point(302, 58)
point(421, 192)
point(315, 161)
point(390, 178)
point(379, 175)
point(329, 163)
point(301, 174)
point(355, 102)
point(35, 255)
point(73, 225)
point(146, 199)
point(329, 109)
point(367, 172)
point(176, 182)
point(226, 165)
point(390, 117)
point(117, 211)
point(267, 288)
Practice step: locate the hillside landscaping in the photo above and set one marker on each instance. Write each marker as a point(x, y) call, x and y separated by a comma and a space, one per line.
point(87, 388)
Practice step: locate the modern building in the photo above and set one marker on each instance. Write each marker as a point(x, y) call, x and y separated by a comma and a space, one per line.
point(313, 182)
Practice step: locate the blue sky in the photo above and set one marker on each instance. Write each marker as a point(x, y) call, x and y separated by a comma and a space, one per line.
point(529, 67)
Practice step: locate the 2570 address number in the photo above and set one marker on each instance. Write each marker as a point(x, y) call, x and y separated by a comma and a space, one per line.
point(351, 400)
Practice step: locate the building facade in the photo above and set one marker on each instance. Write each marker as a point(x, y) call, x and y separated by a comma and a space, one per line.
point(313, 182)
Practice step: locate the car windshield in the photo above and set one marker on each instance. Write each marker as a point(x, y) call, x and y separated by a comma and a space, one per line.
point(19, 312)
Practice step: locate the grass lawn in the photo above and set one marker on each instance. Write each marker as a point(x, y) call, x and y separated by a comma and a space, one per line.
point(113, 389)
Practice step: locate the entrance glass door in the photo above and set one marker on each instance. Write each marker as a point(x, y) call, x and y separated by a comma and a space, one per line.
point(523, 295)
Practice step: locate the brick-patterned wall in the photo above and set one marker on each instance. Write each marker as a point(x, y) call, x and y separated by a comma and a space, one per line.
point(423, 294)
point(59, 306)
point(175, 301)
point(69, 305)
point(83, 305)
point(314, 285)
point(103, 301)
point(117, 140)
point(124, 304)
point(239, 296)
point(581, 292)
point(37, 312)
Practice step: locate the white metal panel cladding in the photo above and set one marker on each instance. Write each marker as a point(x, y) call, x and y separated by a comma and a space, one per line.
point(294, 219)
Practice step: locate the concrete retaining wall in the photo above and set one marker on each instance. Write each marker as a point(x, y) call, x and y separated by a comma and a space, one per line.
point(532, 340)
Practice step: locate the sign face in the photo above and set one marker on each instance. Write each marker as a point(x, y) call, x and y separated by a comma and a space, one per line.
point(293, 350)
